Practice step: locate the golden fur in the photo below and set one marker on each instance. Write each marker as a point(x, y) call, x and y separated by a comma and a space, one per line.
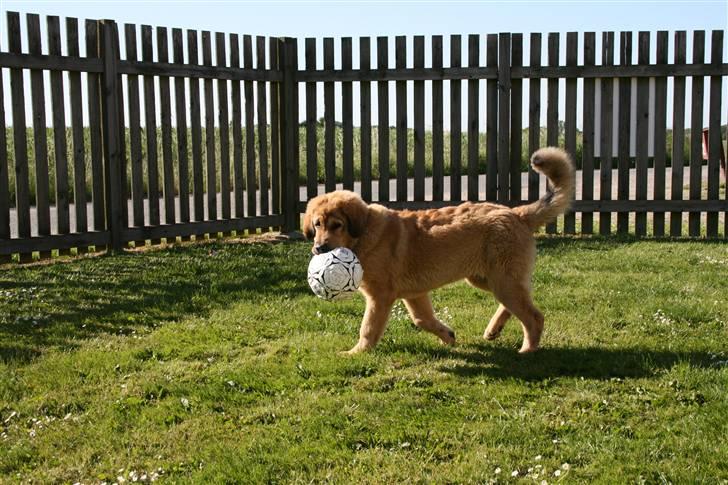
point(406, 254)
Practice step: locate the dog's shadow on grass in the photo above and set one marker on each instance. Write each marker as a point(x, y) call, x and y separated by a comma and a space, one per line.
point(478, 360)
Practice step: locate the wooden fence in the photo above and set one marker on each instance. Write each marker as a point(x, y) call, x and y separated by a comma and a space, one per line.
point(181, 144)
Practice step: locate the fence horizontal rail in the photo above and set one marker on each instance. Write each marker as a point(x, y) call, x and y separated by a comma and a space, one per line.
point(57, 241)
point(202, 227)
point(201, 72)
point(51, 63)
point(469, 73)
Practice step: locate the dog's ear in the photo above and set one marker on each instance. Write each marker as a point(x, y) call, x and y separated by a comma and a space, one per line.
point(356, 213)
point(309, 232)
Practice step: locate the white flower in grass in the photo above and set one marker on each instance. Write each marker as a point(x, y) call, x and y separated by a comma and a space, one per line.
point(497, 470)
point(514, 473)
point(565, 466)
point(538, 457)
point(544, 482)
point(557, 473)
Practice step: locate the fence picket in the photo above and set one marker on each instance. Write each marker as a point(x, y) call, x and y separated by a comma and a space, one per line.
point(237, 126)
point(606, 140)
point(473, 119)
point(552, 106)
point(198, 190)
point(383, 120)
point(347, 118)
point(534, 115)
point(311, 124)
point(4, 178)
point(275, 156)
point(588, 122)
point(658, 225)
point(223, 122)
point(150, 118)
point(491, 123)
point(59, 129)
point(419, 121)
point(625, 130)
point(696, 132)
point(516, 119)
point(135, 142)
point(643, 113)
point(438, 155)
point(400, 50)
point(678, 134)
point(455, 122)
point(40, 143)
point(94, 122)
point(504, 115)
point(263, 178)
point(329, 121)
point(715, 146)
point(572, 53)
point(365, 100)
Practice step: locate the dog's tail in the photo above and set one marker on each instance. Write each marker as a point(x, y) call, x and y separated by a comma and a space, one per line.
point(557, 165)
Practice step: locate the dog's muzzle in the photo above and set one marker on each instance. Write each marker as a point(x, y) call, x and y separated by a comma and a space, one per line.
point(321, 249)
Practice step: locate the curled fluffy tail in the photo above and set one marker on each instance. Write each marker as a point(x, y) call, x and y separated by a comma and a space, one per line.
point(558, 167)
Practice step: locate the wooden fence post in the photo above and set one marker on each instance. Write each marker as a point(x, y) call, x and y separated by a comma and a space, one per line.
point(112, 124)
point(288, 116)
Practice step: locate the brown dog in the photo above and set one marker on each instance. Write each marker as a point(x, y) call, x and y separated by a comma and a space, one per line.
point(406, 254)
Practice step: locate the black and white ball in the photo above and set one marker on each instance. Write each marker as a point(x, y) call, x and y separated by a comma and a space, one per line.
point(335, 275)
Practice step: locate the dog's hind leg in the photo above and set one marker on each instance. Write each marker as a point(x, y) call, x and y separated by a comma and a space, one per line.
point(516, 297)
point(501, 316)
point(423, 315)
point(373, 324)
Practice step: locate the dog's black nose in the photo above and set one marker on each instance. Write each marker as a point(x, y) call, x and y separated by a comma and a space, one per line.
point(321, 249)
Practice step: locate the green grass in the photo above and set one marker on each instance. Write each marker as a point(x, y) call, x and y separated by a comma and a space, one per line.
point(214, 362)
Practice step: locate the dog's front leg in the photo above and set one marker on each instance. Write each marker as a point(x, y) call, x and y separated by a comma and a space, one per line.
point(374, 323)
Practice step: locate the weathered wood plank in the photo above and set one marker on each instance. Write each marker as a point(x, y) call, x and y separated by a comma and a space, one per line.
point(180, 107)
point(59, 128)
point(238, 174)
point(588, 122)
point(365, 102)
point(209, 130)
point(516, 119)
point(311, 124)
point(166, 119)
point(79, 150)
point(491, 122)
point(696, 133)
point(40, 143)
point(4, 177)
point(94, 121)
point(534, 115)
point(715, 146)
point(572, 52)
point(438, 154)
point(150, 118)
point(250, 175)
point(660, 155)
point(198, 189)
point(263, 177)
point(643, 113)
point(606, 140)
point(504, 115)
point(400, 52)
point(275, 153)
point(625, 130)
point(455, 121)
point(347, 118)
point(383, 120)
point(223, 127)
point(329, 120)
point(45, 244)
point(678, 133)
point(204, 227)
point(135, 137)
point(473, 119)
point(552, 105)
point(419, 121)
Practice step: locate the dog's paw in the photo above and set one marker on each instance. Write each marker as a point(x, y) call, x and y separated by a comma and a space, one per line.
point(491, 335)
point(353, 351)
point(448, 338)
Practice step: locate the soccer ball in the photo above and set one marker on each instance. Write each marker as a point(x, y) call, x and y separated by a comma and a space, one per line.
point(334, 275)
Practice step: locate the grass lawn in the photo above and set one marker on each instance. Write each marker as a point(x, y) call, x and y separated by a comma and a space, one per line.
point(214, 362)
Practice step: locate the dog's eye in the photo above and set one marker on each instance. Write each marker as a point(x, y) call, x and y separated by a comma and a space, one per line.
point(335, 226)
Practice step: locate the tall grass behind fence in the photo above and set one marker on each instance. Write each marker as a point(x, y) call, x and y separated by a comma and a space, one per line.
point(246, 128)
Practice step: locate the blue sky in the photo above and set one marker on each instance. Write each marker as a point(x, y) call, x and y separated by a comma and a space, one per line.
point(383, 17)
point(355, 18)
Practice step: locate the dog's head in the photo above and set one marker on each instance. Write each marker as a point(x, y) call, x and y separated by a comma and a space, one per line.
point(334, 220)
